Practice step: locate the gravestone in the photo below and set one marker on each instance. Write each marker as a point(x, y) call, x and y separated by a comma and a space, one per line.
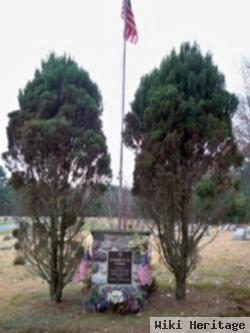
point(240, 234)
point(116, 258)
point(7, 237)
point(229, 227)
point(219, 228)
point(232, 227)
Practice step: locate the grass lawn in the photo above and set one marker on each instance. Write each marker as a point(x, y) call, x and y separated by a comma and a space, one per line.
point(219, 287)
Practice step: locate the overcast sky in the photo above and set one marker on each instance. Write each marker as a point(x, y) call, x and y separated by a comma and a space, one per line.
point(90, 31)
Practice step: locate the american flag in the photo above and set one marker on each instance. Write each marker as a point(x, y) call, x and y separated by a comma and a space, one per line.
point(83, 268)
point(130, 31)
point(143, 271)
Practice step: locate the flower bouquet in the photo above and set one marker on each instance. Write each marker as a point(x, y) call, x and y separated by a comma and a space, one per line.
point(119, 301)
point(122, 302)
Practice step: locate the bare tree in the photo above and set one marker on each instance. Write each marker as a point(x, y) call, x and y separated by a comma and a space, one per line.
point(129, 209)
point(241, 128)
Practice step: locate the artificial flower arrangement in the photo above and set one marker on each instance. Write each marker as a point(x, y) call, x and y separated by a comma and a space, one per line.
point(118, 301)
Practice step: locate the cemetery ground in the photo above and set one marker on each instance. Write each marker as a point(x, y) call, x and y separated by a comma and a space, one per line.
point(220, 286)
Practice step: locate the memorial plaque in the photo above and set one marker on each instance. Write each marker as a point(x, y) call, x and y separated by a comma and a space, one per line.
point(119, 267)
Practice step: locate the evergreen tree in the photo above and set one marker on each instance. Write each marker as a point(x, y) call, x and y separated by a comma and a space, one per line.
point(180, 128)
point(58, 157)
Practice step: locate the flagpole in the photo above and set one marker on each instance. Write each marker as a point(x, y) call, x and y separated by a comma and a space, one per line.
point(122, 125)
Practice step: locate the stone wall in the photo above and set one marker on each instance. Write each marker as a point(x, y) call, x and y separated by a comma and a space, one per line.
point(106, 241)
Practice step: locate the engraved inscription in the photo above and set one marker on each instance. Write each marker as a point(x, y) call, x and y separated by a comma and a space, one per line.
point(119, 267)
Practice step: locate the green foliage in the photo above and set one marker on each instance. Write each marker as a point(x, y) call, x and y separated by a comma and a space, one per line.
point(56, 139)
point(58, 157)
point(15, 233)
point(205, 187)
point(58, 130)
point(184, 103)
point(237, 211)
point(180, 128)
point(6, 194)
point(215, 196)
point(181, 121)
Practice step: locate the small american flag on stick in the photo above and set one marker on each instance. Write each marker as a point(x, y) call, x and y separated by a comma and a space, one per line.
point(83, 268)
point(143, 271)
point(130, 31)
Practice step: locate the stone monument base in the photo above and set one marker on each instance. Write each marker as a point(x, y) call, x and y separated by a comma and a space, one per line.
point(116, 260)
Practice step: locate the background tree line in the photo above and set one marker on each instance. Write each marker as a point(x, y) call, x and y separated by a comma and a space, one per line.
point(7, 206)
point(106, 204)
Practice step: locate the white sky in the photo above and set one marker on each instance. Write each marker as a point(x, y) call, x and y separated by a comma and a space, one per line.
point(90, 31)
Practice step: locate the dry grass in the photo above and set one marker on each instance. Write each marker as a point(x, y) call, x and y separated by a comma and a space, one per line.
point(222, 262)
point(219, 286)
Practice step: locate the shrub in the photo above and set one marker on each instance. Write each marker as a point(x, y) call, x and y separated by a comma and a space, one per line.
point(15, 233)
point(17, 246)
point(19, 260)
